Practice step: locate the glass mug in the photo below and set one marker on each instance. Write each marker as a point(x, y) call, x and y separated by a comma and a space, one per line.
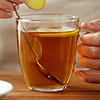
point(47, 50)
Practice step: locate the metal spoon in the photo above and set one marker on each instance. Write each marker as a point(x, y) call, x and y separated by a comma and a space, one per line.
point(41, 69)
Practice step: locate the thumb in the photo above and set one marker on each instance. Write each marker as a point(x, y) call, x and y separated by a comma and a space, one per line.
point(93, 25)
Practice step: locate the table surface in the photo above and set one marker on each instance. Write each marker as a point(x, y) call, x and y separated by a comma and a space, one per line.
point(77, 89)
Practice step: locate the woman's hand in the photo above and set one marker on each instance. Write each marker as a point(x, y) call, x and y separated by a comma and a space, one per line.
point(89, 51)
point(6, 7)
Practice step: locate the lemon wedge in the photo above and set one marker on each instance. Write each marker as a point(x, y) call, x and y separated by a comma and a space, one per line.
point(35, 4)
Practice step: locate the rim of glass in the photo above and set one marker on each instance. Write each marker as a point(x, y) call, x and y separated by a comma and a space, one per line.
point(71, 17)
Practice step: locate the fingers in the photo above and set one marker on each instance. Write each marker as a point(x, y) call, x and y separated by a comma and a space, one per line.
point(93, 25)
point(6, 14)
point(6, 7)
point(89, 78)
point(89, 51)
point(89, 63)
point(91, 39)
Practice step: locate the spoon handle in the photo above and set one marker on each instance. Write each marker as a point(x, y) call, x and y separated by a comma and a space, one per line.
point(16, 11)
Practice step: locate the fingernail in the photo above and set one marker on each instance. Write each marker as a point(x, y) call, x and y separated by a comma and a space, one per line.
point(83, 25)
point(81, 37)
point(89, 24)
point(9, 14)
point(77, 73)
point(80, 56)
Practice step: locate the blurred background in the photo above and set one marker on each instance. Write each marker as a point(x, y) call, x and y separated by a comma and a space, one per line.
point(87, 10)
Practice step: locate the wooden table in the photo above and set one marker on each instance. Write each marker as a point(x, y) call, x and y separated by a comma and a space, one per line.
point(77, 89)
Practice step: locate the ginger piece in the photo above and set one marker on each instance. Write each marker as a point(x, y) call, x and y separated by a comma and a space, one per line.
point(35, 4)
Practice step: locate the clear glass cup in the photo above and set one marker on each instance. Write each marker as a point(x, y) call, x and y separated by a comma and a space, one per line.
point(48, 41)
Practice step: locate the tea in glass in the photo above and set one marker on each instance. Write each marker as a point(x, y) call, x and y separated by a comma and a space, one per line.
point(54, 42)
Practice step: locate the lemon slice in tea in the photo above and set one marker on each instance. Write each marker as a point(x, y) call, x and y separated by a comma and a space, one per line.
point(37, 49)
point(52, 32)
point(35, 4)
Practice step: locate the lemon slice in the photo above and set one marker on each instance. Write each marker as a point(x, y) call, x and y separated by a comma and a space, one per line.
point(37, 50)
point(53, 30)
point(35, 4)
point(46, 32)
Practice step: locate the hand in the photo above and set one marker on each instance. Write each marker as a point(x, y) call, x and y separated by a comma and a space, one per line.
point(6, 7)
point(89, 51)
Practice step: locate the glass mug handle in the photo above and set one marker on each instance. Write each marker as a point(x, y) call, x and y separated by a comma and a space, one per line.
point(77, 65)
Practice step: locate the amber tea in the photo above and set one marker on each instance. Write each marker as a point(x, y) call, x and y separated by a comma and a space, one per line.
point(55, 51)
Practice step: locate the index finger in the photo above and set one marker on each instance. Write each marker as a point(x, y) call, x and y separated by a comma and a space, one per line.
point(92, 25)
